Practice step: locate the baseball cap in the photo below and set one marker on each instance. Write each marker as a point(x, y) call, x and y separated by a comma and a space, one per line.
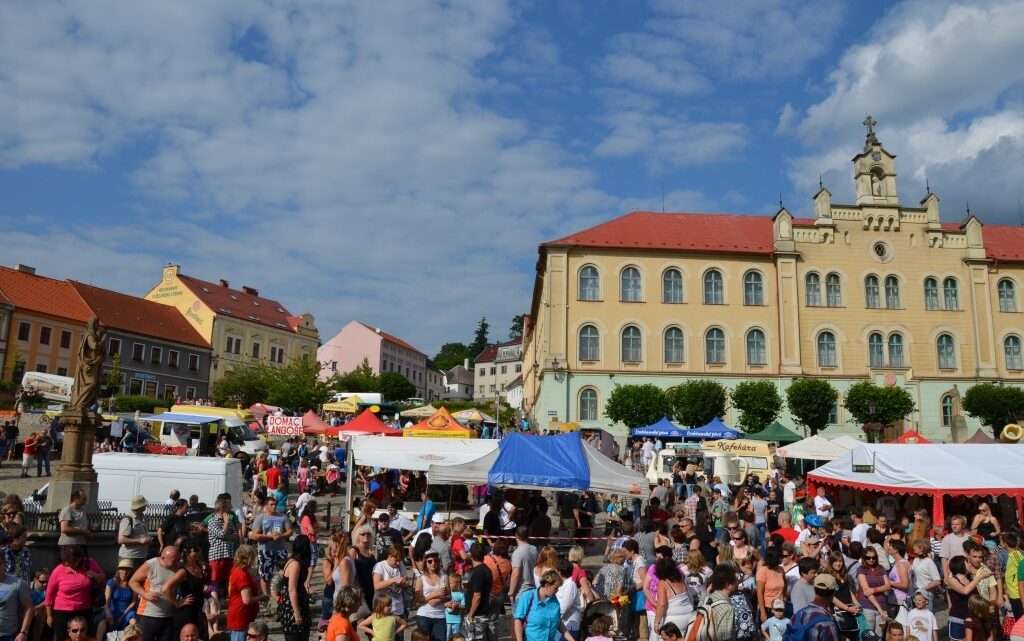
point(778, 604)
point(825, 582)
point(438, 518)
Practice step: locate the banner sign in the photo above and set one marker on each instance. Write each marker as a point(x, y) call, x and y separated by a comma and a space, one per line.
point(739, 447)
point(284, 425)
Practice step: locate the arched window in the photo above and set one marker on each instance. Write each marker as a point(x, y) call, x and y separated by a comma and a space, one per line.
point(946, 352)
point(714, 293)
point(871, 299)
point(590, 283)
point(827, 350)
point(590, 343)
point(756, 352)
point(1007, 296)
point(931, 293)
point(588, 404)
point(629, 286)
point(895, 350)
point(876, 350)
point(672, 286)
point(947, 410)
point(813, 285)
point(892, 292)
point(949, 294)
point(753, 289)
point(714, 346)
point(673, 345)
point(631, 345)
point(1011, 351)
point(833, 293)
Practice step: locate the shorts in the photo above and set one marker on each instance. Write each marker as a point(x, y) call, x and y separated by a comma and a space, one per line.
point(957, 630)
point(220, 570)
point(270, 562)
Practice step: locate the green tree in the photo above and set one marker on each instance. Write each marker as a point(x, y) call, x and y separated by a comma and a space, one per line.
point(994, 405)
point(877, 406)
point(810, 402)
point(144, 404)
point(451, 355)
point(516, 331)
point(696, 402)
point(759, 403)
point(361, 379)
point(297, 385)
point(243, 386)
point(480, 336)
point(636, 405)
point(114, 375)
point(394, 387)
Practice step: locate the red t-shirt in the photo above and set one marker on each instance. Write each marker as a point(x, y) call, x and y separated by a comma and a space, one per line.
point(241, 615)
point(788, 534)
point(273, 478)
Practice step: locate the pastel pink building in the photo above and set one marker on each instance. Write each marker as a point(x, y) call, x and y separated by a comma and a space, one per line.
point(383, 351)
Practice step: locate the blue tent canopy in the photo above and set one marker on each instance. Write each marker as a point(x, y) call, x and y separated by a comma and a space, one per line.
point(551, 461)
point(664, 427)
point(715, 429)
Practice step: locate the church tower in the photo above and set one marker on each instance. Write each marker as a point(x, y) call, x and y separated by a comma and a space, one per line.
point(874, 171)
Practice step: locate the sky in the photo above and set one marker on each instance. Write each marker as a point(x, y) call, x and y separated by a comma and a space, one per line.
point(399, 162)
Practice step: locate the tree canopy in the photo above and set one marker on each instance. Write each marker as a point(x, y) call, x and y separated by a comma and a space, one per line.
point(877, 406)
point(394, 387)
point(451, 355)
point(696, 402)
point(481, 336)
point(515, 332)
point(636, 405)
point(295, 386)
point(361, 379)
point(759, 403)
point(994, 405)
point(810, 402)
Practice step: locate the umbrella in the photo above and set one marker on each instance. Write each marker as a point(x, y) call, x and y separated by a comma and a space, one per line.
point(423, 411)
point(472, 415)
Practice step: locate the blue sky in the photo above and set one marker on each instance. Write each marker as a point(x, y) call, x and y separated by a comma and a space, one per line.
point(399, 162)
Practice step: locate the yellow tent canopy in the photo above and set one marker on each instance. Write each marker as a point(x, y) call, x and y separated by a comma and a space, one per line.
point(564, 427)
point(349, 405)
point(441, 424)
point(423, 411)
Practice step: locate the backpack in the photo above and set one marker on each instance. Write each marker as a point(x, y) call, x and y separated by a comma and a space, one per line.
point(702, 626)
point(798, 632)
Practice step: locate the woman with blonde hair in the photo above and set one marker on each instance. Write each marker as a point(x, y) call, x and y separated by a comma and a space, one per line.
point(338, 571)
point(696, 573)
point(579, 575)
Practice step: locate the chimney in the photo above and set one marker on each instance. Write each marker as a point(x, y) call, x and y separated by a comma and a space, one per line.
point(224, 283)
point(465, 364)
point(25, 269)
point(249, 290)
point(376, 329)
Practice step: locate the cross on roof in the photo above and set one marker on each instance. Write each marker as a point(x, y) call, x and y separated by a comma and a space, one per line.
point(870, 123)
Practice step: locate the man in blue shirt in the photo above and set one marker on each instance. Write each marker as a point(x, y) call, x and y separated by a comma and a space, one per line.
point(426, 511)
point(537, 615)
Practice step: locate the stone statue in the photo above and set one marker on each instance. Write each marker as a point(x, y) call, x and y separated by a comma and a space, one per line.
point(90, 365)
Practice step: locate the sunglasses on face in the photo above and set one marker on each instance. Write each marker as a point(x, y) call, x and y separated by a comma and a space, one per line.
point(737, 538)
point(871, 558)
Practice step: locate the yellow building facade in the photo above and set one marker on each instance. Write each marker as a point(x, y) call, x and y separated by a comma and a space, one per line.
point(241, 326)
point(870, 290)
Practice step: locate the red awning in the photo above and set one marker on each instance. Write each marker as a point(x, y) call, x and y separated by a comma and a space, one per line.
point(912, 437)
point(312, 424)
point(365, 423)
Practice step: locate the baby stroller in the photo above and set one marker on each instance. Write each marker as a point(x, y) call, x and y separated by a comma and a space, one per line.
point(599, 608)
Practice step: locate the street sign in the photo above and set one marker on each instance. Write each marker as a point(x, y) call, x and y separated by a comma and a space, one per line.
point(284, 425)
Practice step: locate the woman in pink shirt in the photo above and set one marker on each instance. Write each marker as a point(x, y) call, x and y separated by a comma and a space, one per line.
point(70, 590)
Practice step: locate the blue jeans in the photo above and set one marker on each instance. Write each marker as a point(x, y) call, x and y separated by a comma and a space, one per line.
point(680, 489)
point(436, 628)
point(762, 536)
point(236, 635)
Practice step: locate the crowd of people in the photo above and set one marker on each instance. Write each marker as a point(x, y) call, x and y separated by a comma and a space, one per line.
point(696, 559)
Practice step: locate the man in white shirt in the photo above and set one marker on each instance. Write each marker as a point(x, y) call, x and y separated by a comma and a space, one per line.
point(822, 506)
point(789, 493)
point(647, 452)
point(859, 533)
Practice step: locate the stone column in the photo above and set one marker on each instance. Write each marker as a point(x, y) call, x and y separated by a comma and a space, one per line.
point(75, 470)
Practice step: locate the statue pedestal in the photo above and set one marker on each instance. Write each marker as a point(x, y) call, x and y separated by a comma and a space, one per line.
point(75, 470)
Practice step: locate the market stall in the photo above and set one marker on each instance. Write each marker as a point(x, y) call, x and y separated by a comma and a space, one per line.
point(661, 429)
point(981, 438)
point(440, 425)
point(365, 424)
point(813, 448)
point(713, 430)
point(847, 442)
point(473, 416)
point(349, 405)
point(913, 437)
point(775, 433)
point(563, 461)
point(313, 425)
point(423, 411)
point(935, 470)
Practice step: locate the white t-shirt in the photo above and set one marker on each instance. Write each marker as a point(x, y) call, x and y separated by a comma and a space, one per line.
point(568, 602)
point(925, 572)
point(385, 571)
point(952, 545)
point(647, 452)
point(823, 507)
point(859, 533)
point(789, 492)
point(920, 623)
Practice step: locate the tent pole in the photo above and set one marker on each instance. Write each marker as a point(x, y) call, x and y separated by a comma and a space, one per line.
point(350, 454)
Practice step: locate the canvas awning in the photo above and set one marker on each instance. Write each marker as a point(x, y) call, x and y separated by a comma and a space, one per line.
point(365, 423)
point(440, 425)
point(564, 461)
point(417, 454)
point(313, 424)
point(713, 429)
point(472, 416)
point(934, 469)
point(776, 433)
point(913, 437)
point(664, 427)
point(423, 411)
point(349, 405)
point(813, 448)
point(847, 442)
point(980, 438)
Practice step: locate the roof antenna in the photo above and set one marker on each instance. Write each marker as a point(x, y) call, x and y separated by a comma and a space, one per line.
point(780, 201)
point(821, 185)
point(663, 196)
point(927, 186)
point(968, 209)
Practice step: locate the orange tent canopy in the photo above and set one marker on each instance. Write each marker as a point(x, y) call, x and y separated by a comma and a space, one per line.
point(366, 423)
point(312, 424)
point(442, 425)
point(913, 437)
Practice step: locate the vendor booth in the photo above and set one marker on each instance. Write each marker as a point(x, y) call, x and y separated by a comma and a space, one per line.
point(365, 423)
point(981, 438)
point(440, 425)
point(847, 442)
point(662, 429)
point(473, 416)
point(563, 461)
point(935, 470)
point(813, 448)
point(913, 437)
point(423, 411)
point(713, 430)
point(313, 425)
point(776, 433)
point(349, 405)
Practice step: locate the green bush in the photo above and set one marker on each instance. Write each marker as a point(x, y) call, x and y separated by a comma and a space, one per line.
point(144, 404)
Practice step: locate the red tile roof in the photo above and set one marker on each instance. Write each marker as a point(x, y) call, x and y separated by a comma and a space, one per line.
point(235, 303)
point(391, 338)
point(490, 352)
point(1004, 243)
point(43, 295)
point(138, 315)
point(730, 233)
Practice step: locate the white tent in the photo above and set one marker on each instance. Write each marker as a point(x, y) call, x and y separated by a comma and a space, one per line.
point(812, 448)
point(847, 442)
point(418, 454)
point(935, 469)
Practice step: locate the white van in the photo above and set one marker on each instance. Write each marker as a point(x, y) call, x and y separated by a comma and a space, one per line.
point(123, 476)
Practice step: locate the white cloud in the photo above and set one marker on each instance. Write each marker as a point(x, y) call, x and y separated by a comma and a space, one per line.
point(786, 118)
point(666, 141)
point(347, 166)
point(652, 63)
